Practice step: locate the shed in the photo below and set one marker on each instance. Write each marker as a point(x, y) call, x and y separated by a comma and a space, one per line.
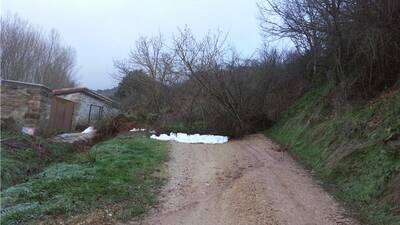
point(89, 105)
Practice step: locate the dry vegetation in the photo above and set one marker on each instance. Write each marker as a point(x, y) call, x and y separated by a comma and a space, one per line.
point(30, 55)
point(353, 43)
point(190, 83)
point(200, 84)
point(346, 128)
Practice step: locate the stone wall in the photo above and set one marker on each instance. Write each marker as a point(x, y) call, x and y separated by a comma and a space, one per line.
point(82, 107)
point(28, 104)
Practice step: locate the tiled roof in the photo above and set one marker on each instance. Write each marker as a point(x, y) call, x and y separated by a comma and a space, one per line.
point(63, 91)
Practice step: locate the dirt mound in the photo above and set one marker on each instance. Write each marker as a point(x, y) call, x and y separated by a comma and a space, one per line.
point(13, 144)
point(114, 126)
point(17, 144)
point(123, 123)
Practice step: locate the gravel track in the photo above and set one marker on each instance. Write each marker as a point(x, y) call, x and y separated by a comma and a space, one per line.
point(241, 182)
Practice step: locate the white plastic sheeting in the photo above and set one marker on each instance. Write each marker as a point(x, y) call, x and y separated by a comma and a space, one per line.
point(88, 130)
point(28, 130)
point(137, 129)
point(192, 138)
point(84, 136)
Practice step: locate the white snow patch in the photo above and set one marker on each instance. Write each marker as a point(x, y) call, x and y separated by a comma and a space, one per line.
point(88, 130)
point(137, 129)
point(192, 138)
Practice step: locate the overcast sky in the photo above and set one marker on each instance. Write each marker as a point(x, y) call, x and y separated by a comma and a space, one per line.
point(103, 30)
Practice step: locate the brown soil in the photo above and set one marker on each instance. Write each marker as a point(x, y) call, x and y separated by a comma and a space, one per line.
point(241, 182)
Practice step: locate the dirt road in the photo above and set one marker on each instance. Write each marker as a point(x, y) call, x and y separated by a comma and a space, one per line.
point(241, 182)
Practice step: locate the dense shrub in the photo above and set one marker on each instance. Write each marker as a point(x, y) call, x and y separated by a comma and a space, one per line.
point(199, 82)
point(353, 43)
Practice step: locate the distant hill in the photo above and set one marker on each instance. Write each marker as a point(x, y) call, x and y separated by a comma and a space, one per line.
point(108, 92)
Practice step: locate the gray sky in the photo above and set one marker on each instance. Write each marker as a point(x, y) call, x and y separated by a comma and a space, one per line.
point(104, 30)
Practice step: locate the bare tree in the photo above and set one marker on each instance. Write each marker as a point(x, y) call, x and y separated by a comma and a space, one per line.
point(153, 58)
point(352, 42)
point(28, 55)
point(204, 62)
point(211, 85)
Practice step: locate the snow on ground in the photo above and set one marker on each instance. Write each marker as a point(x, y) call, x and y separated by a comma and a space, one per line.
point(192, 138)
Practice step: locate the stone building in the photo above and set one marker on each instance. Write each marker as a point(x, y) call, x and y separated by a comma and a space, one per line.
point(37, 107)
point(27, 104)
point(89, 105)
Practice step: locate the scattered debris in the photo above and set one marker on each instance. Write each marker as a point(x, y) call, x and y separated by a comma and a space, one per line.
point(28, 130)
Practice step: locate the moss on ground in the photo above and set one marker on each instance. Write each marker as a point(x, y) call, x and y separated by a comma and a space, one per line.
point(351, 152)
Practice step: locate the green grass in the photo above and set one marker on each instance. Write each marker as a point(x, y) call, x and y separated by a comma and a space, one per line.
point(348, 152)
point(18, 164)
point(115, 172)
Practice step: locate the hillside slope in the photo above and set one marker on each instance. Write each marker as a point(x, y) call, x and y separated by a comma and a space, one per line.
point(356, 154)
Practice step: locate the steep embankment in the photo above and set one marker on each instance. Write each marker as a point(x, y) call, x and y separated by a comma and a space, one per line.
point(356, 154)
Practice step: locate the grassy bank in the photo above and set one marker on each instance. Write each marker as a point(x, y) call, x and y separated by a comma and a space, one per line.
point(117, 174)
point(22, 156)
point(355, 154)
